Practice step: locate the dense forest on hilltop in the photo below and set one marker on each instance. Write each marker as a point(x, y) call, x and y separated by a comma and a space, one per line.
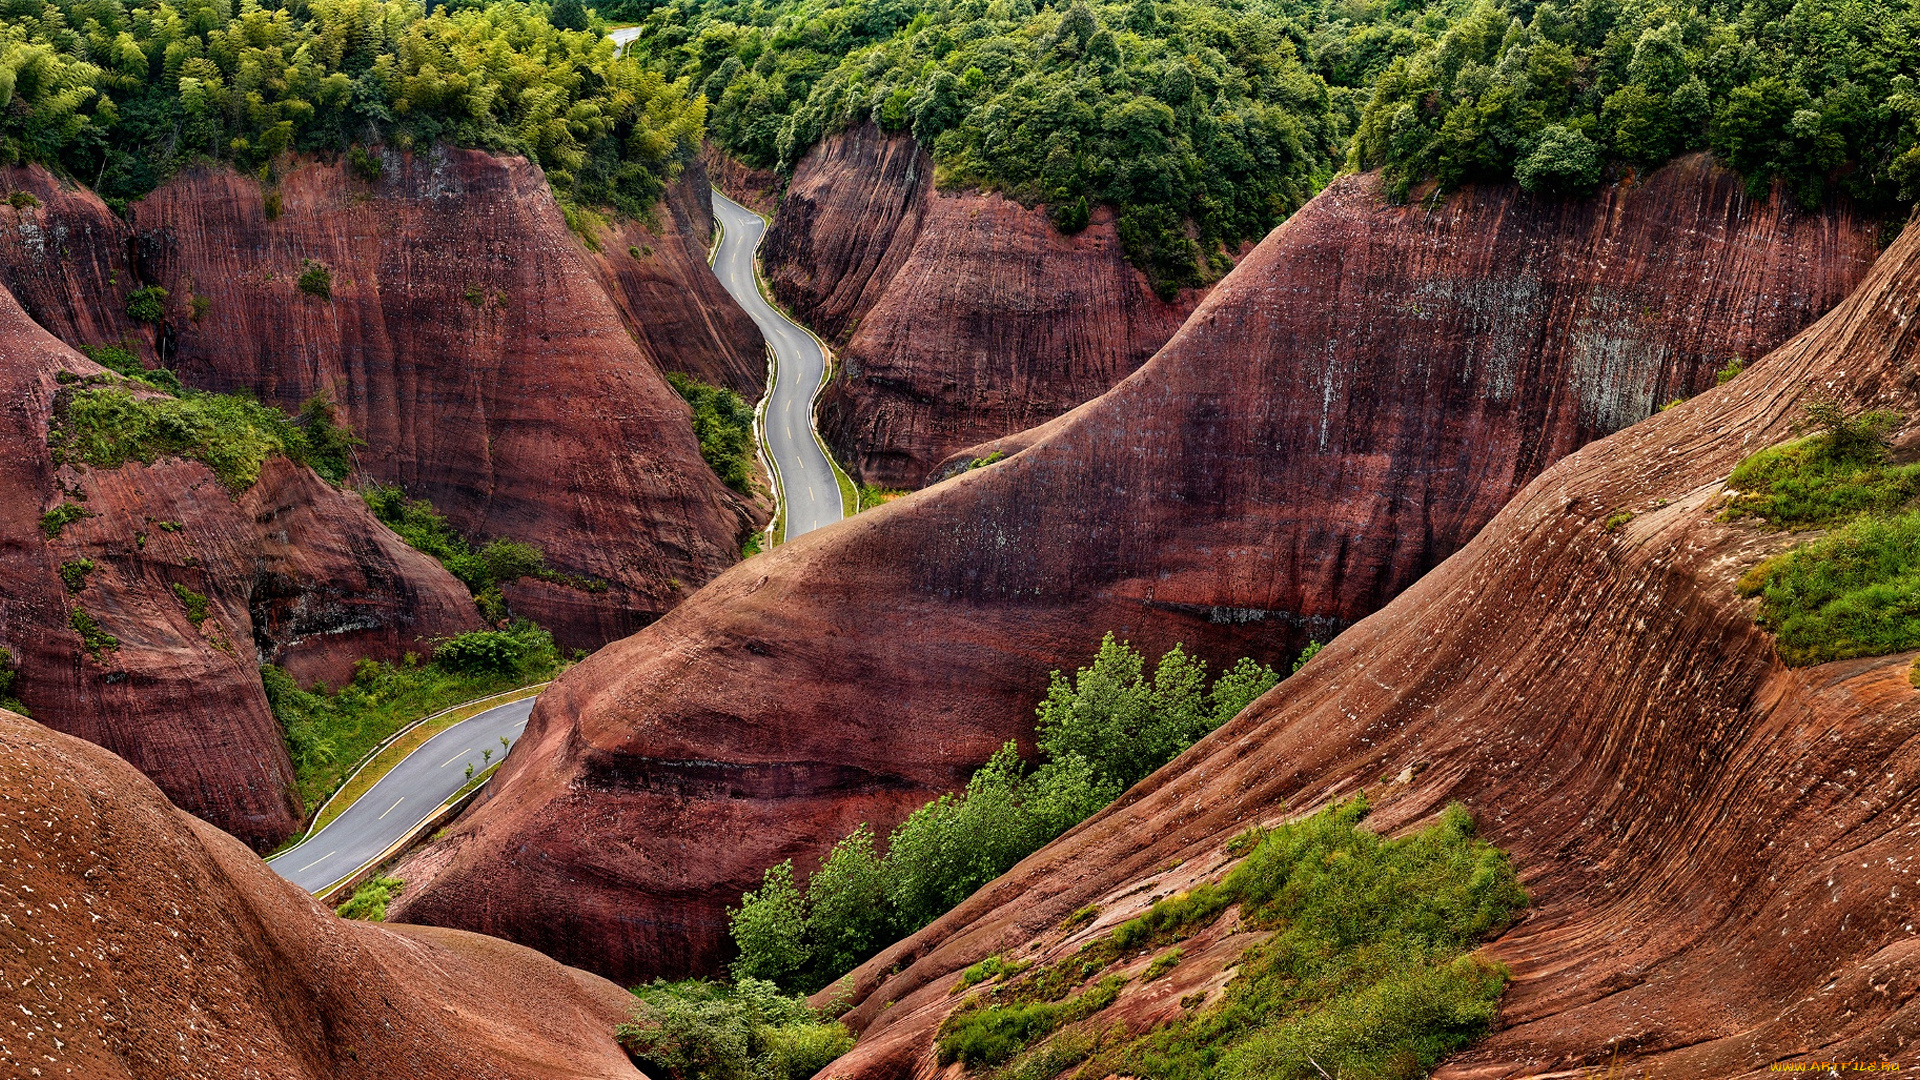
point(121, 94)
point(1218, 114)
point(1206, 122)
point(1819, 94)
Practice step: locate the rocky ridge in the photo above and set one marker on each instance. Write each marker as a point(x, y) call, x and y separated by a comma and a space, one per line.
point(1341, 414)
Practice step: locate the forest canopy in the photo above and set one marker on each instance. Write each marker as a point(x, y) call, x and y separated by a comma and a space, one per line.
point(1818, 94)
point(1204, 123)
point(121, 94)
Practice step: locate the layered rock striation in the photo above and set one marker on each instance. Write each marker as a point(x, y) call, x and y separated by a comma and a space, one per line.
point(1717, 846)
point(1342, 413)
point(144, 944)
point(290, 571)
point(468, 339)
point(958, 317)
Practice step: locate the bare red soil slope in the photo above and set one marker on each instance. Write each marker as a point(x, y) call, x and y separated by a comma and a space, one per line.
point(294, 572)
point(959, 317)
point(1343, 412)
point(1720, 849)
point(471, 340)
point(143, 944)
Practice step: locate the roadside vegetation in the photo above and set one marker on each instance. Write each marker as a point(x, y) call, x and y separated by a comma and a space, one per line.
point(369, 902)
point(1854, 591)
point(101, 421)
point(329, 730)
point(1817, 94)
point(1099, 733)
point(750, 1030)
point(723, 422)
point(122, 95)
point(9, 675)
point(1368, 969)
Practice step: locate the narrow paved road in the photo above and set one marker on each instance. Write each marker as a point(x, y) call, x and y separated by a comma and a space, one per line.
point(403, 798)
point(623, 37)
point(811, 493)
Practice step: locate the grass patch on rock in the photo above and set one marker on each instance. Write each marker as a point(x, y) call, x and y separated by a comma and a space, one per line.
point(1368, 969)
point(700, 1030)
point(369, 901)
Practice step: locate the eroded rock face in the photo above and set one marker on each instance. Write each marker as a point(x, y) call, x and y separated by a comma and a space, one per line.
point(470, 339)
point(1343, 412)
point(66, 261)
point(671, 302)
point(1717, 847)
point(292, 571)
point(959, 317)
point(146, 945)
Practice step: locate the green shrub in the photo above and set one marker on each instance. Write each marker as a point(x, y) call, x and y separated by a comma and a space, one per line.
point(1098, 733)
point(108, 426)
point(723, 422)
point(121, 361)
point(1835, 474)
point(1616, 521)
point(1854, 592)
point(487, 651)
point(148, 305)
point(981, 1038)
point(195, 603)
point(1162, 964)
point(73, 573)
point(1732, 371)
point(22, 200)
point(698, 1030)
point(55, 521)
point(92, 638)
point(1367, 970)
point(365, 164)
point(483, 571)
point(369, 902)
point(316, 279)
point(9, 675)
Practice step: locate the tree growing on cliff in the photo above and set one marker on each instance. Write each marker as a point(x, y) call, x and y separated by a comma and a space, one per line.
point(1101, 731)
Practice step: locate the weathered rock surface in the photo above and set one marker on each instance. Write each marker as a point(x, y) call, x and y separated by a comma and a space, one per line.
point(671, 302)
point(756, 189)
point(1344, 411)
point(470, 341)
point(958, 317)
point(295, 572)
point(1719, 849)
point(66, 262)
point(145, 945)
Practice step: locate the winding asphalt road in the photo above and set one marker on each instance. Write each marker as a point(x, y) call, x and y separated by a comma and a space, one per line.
point(810, 491)
point(402, 799)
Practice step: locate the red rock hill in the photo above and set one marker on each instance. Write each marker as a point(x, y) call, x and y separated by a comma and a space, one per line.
point(1719, 848)
point(959, 317)
point(295, 572)
point(145, 945)
point(1343, 412)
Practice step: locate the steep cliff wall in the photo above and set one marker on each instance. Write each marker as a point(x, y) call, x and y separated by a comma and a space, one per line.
point(958, 317)
point(294, 572)
point(470, 341)
point(145, 945)
point(1345, 410)
point(671, 302)
point(66, 261)
point(1717, 846)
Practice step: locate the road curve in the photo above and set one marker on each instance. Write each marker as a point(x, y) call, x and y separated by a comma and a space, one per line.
point(810, 491)
point(402, 799)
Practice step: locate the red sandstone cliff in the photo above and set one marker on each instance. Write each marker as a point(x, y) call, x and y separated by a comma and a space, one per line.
point(659, 281)
point(1718, 847)
point(957, 317)
point(471, 343)
point(65, 261)
point(295, 571)
point(1344, 411)
point(145, 945)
